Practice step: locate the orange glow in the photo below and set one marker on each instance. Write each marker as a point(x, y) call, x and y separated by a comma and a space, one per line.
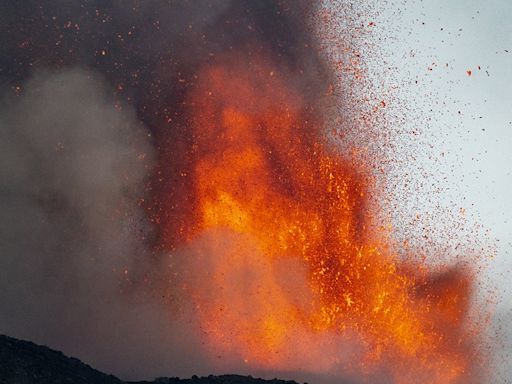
point(295, 277)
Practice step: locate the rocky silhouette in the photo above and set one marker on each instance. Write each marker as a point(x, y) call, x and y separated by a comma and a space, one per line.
point(23, 362)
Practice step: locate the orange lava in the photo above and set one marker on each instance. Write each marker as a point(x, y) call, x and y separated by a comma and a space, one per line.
point(278, 233)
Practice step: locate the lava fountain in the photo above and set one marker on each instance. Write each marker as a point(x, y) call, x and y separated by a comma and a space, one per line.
point(265, 253)
point(282, 264)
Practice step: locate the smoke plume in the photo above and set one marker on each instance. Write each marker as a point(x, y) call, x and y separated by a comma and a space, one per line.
point(90, 94)
point(105, 235)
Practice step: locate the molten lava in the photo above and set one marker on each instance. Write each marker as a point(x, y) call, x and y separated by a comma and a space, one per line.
point(277, 230)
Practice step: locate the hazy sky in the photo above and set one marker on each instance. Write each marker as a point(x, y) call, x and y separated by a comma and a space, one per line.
point(478, 140)
point(436, 42)
point(468, 34)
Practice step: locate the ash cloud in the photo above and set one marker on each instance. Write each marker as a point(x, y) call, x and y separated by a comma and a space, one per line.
point(75, 163)
point(94, 92)
point(70, 173)
point(91, 91)
point(74, 166)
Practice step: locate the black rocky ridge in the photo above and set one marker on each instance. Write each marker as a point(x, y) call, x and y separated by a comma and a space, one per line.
point(23, 362)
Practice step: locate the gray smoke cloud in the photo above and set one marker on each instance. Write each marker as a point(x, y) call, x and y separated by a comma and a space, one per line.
point(77, 272)
point(74, 163)
point(73, 166)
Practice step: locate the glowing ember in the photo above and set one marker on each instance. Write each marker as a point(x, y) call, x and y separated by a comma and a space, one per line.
point(279, 235)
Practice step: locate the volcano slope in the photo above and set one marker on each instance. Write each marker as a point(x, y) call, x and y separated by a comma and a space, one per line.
point(23, 362)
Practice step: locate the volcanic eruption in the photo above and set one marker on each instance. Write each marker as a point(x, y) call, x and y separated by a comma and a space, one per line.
point(289, 274)
point(262, 230)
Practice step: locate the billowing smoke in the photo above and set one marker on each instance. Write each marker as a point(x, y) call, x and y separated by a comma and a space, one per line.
point(73, 168)
point(107, 239)
point(90, 93)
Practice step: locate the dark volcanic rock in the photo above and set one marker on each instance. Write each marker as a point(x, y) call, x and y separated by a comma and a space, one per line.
point(222, 379)
point(23, 362)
